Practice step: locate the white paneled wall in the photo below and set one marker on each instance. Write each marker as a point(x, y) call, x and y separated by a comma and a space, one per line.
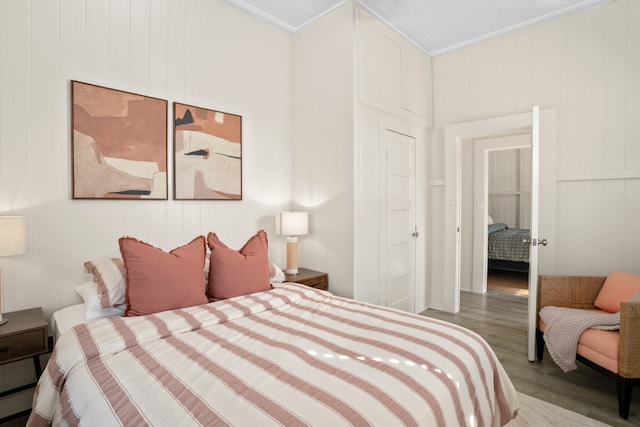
point(509, 179)
point(322, 166)
point(585, 65)
point(200, 52)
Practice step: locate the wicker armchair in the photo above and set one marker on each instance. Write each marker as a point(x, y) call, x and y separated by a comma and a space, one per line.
point(581, 292)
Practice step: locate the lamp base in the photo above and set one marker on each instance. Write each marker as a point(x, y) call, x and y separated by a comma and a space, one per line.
point(3, 321)
point(292, 255)
point(291, 272)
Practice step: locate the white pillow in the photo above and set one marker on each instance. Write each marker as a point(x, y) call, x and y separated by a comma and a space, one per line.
point(489, 219)
point(109, 274)
point(93, 310)
point(277, 276)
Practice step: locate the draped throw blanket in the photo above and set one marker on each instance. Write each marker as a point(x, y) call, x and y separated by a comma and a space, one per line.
point(565, 325)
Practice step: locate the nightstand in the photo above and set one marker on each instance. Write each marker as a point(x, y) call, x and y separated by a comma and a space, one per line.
point(25, 335)
point(314, 279)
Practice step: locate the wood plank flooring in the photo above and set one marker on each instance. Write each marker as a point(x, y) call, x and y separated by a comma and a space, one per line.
point(500, 318)
point(515, 282)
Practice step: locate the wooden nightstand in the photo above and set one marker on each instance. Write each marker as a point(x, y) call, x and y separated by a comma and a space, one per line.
point(25, 335)
point(314, 279)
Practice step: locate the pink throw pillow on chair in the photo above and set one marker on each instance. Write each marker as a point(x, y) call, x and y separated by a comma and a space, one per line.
point(159, 280)
point(245, 271)
point(618, 287)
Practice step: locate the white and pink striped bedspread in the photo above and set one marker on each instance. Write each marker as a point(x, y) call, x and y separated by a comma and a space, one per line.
point(290, 356)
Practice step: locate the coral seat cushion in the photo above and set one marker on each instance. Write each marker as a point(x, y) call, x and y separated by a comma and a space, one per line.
point(600, 347)
point(597, 345)
point(234, 273)
point(618, 287)
point(159, 280)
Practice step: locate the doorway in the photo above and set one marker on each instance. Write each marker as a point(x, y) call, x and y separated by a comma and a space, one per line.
point(542, 125)
point(509, 203)
point(498, 184)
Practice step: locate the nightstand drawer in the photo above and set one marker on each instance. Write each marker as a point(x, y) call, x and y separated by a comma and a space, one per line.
point(318, 282)
point(22, 345)
point(311, 278)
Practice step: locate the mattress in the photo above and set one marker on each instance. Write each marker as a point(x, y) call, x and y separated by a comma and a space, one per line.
point(66, 318)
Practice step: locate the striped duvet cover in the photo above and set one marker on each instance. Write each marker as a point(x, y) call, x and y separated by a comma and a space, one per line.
point(290, 356)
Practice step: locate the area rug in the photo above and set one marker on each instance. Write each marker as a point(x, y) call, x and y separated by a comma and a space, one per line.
point(536, 412)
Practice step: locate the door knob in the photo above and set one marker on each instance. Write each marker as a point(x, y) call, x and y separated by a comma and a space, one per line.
point(414, 234)
point(536, 242)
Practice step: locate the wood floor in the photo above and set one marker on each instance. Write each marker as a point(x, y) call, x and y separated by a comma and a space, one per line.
point(500, 317)
point(516, 282)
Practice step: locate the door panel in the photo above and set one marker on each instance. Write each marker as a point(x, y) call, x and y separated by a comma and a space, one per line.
point(533, 249)
point(400, 288)
point(398, 220)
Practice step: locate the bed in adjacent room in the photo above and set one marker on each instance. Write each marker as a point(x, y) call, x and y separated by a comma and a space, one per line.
point(285, 355)
point(508, 247)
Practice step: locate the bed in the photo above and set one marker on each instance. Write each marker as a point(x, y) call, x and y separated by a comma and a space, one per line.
point(278, 353)
point(508, 247)
point(289, 356)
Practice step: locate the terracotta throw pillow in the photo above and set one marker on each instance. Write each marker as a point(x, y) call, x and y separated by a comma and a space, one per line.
point(245, 271)
point(159, 281)
point(618, 287)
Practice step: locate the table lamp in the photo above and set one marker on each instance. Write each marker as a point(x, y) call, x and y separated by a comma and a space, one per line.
point(292, 224)
point(13, 241)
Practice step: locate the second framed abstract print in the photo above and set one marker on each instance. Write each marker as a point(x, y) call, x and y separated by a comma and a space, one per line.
point(207, 154)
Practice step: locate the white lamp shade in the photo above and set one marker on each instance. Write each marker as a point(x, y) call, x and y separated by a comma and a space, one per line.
point(13, 235)
point(292, 223)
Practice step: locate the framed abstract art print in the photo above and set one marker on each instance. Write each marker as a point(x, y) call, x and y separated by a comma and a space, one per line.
point(119, 144)
point(207, 154)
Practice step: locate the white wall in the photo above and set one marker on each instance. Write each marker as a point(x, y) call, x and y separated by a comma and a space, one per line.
point(323, 144)
point(199, 52)
point(585, 65)
point(509, 185)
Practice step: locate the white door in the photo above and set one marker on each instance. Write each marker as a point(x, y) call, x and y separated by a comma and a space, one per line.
point(398, 220)
point(535, 240)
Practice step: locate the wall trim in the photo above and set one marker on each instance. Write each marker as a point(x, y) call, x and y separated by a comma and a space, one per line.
point(599, 175)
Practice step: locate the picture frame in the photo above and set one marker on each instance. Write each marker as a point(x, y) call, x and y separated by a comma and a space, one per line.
point(207, 154)
point(119, 144)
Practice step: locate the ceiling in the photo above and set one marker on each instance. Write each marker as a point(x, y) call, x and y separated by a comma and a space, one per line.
point(435, 26)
